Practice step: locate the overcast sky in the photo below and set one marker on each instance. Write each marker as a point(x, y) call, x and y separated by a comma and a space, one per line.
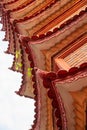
point(16, 113)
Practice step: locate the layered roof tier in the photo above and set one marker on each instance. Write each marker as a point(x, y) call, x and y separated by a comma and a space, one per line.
point(49, 42)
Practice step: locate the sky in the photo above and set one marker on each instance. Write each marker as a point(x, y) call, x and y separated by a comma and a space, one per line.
point(16, 113)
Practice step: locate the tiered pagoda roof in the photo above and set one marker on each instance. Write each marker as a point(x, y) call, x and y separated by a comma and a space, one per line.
point(48, 39)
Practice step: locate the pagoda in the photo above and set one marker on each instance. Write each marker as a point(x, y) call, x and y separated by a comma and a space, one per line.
point(48, 39)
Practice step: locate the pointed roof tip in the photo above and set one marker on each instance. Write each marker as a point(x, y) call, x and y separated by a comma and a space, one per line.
point(2, 29)
point(7, 52)
point(11, 68)
point(18, 93)
point(4, 39)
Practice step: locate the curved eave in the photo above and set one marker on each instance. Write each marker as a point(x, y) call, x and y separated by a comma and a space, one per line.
point(73, 90)
point(24, 40)
point(73, 80)
point(25, 89)
point(72, 77)
point(8, 1)
point(19, 7)
point(56, 31)
point(14, 4)
point(38, 12)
